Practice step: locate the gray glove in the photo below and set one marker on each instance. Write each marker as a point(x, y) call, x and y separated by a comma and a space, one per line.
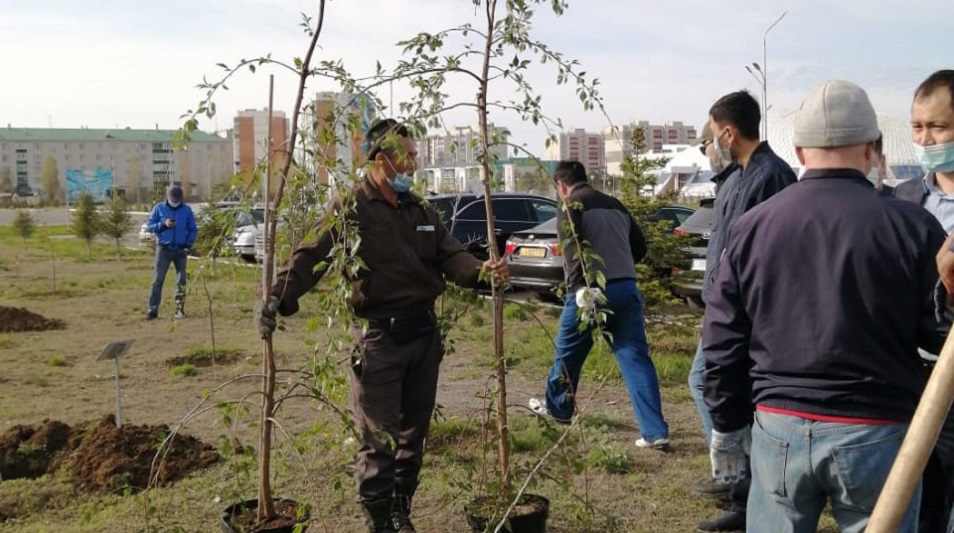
point(264, 315)
point(728, 453)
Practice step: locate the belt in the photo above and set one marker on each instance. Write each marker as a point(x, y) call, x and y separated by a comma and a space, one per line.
point(397, 321)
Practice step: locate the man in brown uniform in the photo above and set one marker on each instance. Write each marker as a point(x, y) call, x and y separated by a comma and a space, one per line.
point(408, 254)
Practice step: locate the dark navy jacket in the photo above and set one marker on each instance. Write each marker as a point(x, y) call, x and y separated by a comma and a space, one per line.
point(912, 191)
point(741, 190)
point(606, 227)
point(824, 294)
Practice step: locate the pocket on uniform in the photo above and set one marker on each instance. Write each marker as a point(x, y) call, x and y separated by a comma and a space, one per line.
point(427, 242)
point(769, 459)
point(862, 469)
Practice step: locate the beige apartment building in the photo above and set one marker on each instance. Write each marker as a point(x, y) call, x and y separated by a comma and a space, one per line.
point(449, 161)
point(136, 163)
point(619, 142)
point(580, 145)
point(340, 121)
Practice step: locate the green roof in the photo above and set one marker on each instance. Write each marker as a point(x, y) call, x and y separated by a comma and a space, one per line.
point(93, 135)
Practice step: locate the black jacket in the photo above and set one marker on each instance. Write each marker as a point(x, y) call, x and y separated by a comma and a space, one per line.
point(912, 190)
point(602, 224)
point(824, 295)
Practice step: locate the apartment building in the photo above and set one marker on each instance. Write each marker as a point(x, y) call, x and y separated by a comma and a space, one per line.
point(251, 137)
point(133, 163)
point(339, 123)
point(619, 142)
point(580, 145)
point(449, 161)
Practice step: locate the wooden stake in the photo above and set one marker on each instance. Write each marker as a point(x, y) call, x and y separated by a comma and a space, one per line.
point(917, 446)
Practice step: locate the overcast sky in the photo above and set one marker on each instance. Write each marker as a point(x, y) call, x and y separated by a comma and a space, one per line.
point(118, 63)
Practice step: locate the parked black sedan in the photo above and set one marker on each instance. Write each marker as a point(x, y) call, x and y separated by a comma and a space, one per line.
point(687, 278)
point(466, 217)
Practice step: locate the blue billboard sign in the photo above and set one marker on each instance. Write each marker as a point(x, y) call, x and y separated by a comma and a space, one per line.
point(98, 183)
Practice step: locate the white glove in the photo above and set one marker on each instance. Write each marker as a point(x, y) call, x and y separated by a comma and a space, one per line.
point(728, 453)
point(588, 298)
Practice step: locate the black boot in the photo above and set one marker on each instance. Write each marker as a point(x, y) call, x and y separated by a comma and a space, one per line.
point(180, 310)
point(378, 514)
point(401, 505)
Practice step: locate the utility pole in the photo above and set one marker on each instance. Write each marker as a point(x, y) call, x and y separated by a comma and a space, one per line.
point(762, 75)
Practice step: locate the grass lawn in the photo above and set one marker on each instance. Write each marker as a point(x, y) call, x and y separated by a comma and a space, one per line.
point(596, 479)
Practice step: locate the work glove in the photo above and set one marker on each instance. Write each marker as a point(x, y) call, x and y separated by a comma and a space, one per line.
point(729, 452)
point(264, 315)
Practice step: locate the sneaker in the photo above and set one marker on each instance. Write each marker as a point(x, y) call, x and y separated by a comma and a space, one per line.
point(152, 316)
point(658, 444)
point(179, 314)
point(730, 521)
point(539, 407)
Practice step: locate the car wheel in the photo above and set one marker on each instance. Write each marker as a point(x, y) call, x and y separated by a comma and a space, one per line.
point(549, 297)
point(695, 302)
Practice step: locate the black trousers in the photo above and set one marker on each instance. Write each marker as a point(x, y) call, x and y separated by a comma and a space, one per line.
point(393, 388)
point(937, 485)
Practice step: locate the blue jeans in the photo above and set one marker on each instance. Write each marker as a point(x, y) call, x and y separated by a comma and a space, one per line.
point(628, 341)
point(696, 389)
point(165, 256)
point(798, 464)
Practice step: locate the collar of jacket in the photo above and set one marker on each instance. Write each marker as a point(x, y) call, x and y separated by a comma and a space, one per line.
point(927, 180)
point(835, 173)
point(725, 173)
point(373, 194)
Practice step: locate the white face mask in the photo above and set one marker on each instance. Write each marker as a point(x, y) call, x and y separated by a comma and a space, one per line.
point(721, 152)
point(174, 204)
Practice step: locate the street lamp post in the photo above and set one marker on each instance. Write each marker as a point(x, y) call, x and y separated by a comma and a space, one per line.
point(762, 75)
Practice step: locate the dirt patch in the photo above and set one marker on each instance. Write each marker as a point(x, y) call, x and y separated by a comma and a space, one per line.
point(104, 458)
point(17, 319)
point(110, 458)
point(30, 452)
point(205, 359)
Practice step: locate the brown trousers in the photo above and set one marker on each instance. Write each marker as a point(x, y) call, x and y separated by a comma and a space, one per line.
point(393, 390)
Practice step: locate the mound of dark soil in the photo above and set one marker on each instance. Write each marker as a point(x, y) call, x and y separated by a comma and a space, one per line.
point(205, 359)
point(30, 452)
point(102, 457)
point(110, 458)
point(16, 319)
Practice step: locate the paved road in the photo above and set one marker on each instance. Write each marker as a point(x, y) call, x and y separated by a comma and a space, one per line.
point(54, 216)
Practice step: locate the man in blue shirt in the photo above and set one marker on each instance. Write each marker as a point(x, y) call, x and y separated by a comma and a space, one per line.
point(174, 225)
point(932, 130)
point(751, 174)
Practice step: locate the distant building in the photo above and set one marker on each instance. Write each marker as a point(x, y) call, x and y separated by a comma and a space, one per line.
point(580, 145)
point(249, 139)
point(449, 162)
point(619, 143)
point(348, 117)
point(138, 163)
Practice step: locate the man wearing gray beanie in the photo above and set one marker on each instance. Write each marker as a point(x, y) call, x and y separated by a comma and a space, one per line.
point(809, 323)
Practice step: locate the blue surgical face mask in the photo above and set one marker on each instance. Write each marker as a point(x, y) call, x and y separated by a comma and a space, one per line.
point(937, 157)
point(401, 182)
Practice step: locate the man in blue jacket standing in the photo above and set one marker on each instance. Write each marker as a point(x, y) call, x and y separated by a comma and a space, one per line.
point(174, 225)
